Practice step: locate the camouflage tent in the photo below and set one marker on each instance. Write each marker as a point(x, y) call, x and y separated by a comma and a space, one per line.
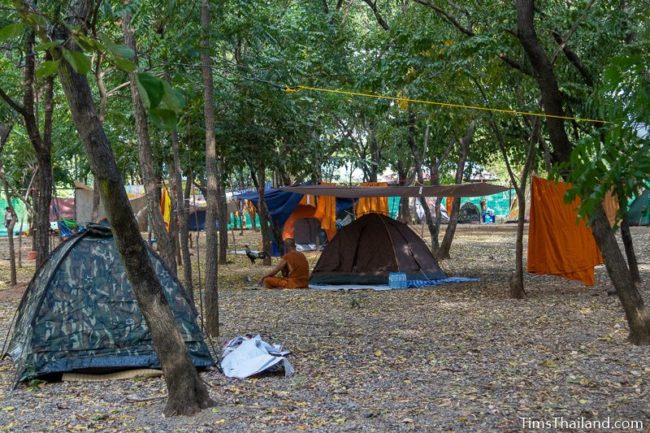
point(79, 314)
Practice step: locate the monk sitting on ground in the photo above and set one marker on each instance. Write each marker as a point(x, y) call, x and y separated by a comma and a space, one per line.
point(294, 267)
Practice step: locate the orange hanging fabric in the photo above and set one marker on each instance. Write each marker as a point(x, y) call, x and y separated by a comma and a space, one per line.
point(610, 205)
point(559, 244)
point(449, 205)
point(326, 213)
point(308, 200)
point(367, 205)
point(166, 206)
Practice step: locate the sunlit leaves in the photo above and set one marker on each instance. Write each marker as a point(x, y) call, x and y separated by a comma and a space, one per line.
point(47, 68)
point(151, 89)
point(78, 60)
point(11, 31)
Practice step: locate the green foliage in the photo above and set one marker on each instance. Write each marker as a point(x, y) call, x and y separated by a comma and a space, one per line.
point(47, 68)
point(616, 157)
point(11, 31)
point(78, 60)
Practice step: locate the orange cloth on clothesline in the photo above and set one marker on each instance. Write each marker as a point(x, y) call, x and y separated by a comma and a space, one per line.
point(308, 200)
point(449, 205)
point(166, 206)
point(326, 213)
point(559, 244)
point(610, 205)
point(367, 205)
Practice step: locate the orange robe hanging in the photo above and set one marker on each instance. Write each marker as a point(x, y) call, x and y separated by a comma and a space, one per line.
point(559, 244)
point(326, 213)
point(166, 206)
point(372, 204)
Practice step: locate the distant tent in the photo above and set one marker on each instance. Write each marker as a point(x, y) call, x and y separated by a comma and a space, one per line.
point(371, 247)
point(286, 208)
point(469, 214)
point(61, 208)
point(303, 227)
point(83, 206)
point(79, 314)
point(513, 214)
point(414, 202)
point(196, 220)
point(639, 211)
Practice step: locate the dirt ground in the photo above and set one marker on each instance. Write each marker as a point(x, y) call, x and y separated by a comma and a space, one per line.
point(452, 358)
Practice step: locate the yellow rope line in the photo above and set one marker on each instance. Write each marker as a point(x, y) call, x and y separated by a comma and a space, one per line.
point(298, 88)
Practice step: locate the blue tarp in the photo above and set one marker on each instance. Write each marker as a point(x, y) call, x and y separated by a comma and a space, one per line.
point(281, 204)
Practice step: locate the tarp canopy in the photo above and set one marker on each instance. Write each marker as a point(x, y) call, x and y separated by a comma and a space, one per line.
point(279, 203)
point(79, 313)
point(463, 190)
point(639, 211)
point(61, 208)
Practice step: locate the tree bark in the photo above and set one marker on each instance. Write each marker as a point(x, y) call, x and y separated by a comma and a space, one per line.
point(5, 130)
point(180, 211)
point(259, 179)
point(223, 218)
point(187, 394)
point(42, 144)
point(404, 214)
point(629, 251)
point(420, 176)
point(212, 198)
point(10, 234)
point(445, 245)
point(635, 311)
point(145, 152)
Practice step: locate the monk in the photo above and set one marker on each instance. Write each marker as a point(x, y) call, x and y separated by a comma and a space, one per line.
point(294, 267)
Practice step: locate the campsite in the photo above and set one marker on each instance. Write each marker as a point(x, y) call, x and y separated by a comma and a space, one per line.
point(465, 358)
point(324, 216)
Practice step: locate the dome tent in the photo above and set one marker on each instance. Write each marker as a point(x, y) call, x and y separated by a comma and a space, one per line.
point(469, 214)
point(79, 314)
point(370, 248)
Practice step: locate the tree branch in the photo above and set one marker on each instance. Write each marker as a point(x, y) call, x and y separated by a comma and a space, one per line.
point(13, 104)
point(573, 58)
point(514, 64)
point(447, 17)
point(382, 22)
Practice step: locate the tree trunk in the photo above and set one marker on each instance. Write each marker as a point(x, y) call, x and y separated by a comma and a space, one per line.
point(187, 394)
point(635, 311)
point(180, 211)
point(145, 152)
point(517, 290)
point(94, 217)
point(212, 196)
point(404, 214)
point(42, 145)
point(5, 130)
point(629, 251)
point(223, 219)
point(10, 235)
point(42, 198)
point(435, 180)
point(259, 180)
point(420, 176)
point(445, 246)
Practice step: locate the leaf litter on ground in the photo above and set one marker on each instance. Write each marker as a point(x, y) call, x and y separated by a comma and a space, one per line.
point(461, 357)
